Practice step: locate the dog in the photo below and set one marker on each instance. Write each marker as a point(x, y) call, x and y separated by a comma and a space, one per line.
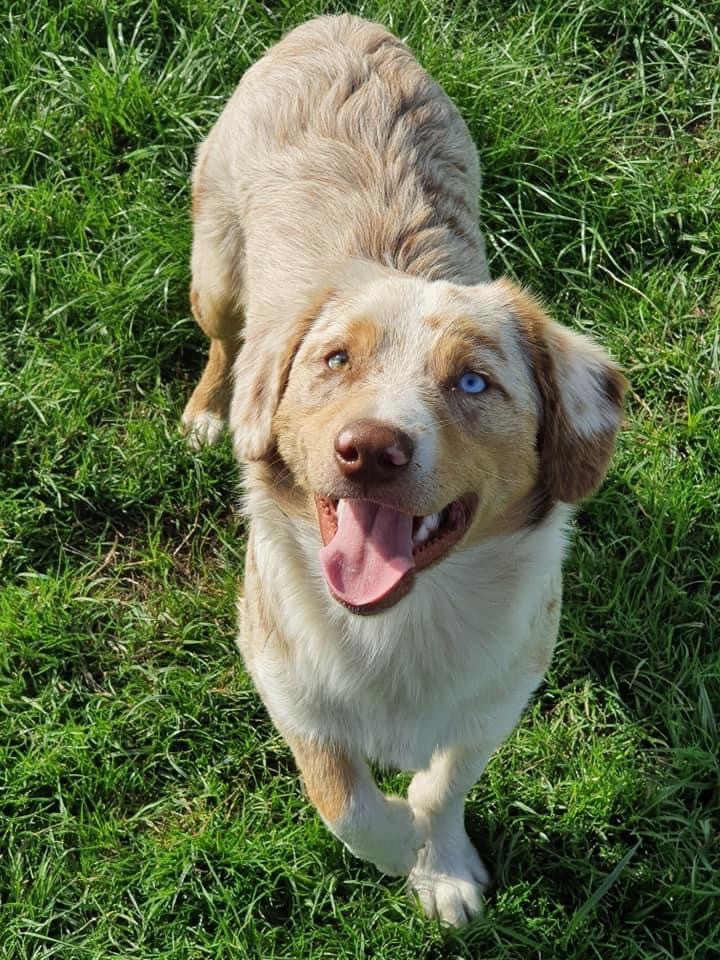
point(414, 438)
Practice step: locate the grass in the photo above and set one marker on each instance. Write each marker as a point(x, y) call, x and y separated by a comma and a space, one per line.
point(148, 808)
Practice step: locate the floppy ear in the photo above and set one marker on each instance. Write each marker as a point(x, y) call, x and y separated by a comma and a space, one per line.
point(581, 392)
point(261, 373)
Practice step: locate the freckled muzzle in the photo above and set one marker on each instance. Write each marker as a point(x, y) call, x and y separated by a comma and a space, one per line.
point(372, 552)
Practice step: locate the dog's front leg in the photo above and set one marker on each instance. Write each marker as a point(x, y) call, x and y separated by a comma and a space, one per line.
point(382, 829)
point(449, 876)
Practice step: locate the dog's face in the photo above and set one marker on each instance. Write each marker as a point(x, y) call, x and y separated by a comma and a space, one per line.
point(420, 417)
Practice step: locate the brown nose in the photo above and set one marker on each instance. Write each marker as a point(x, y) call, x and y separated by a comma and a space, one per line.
point(371, 451)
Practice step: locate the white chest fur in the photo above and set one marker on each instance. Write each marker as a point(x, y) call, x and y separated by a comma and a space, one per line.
point(451, 662)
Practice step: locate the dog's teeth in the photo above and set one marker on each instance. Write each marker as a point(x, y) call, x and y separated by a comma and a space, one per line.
point(339, 509)
point(428, 526)
point(432, 522)
point(422, 533)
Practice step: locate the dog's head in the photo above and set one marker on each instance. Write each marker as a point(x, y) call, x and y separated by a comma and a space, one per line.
point(420, 416)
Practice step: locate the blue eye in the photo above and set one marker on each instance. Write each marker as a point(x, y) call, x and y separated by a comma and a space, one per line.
point(472, 382)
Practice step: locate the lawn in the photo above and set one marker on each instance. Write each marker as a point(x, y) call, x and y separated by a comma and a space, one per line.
point(147, 807)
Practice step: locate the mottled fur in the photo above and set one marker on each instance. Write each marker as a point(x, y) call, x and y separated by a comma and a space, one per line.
point(335, 208)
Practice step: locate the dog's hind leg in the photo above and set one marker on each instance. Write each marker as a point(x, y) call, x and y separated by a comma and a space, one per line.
point(382, 829)
point(215, 298)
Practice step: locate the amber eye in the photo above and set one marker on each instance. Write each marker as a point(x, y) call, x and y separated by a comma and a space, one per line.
point(338, 360)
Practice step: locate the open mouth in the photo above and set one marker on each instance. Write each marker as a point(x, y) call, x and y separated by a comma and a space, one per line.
point(371, 552)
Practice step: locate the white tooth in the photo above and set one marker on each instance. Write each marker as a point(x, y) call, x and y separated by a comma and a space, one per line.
point(339, 509)
point(432, 522)
point(421, 534)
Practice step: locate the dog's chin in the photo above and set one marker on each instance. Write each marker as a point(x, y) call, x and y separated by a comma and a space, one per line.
point(414, 543)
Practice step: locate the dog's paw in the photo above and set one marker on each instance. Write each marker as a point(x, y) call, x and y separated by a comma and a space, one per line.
point(391, 841)
point(405, 834)
point(449, 879)
point(201, 429)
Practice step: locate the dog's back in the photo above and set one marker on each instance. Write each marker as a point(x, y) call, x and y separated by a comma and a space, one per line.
point(337, 143)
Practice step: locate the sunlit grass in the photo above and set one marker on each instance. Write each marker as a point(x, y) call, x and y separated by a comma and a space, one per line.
point(149, 810)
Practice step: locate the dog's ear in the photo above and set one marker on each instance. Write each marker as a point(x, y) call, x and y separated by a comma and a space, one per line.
point(581, 393)
point(261, 373)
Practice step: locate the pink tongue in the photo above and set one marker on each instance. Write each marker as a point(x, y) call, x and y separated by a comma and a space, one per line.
point(370, 553)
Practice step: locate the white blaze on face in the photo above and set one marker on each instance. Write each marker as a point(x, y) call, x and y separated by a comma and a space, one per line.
point(398, 305)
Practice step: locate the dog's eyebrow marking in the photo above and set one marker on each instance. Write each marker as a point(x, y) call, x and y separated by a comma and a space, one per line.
point(466, 335)
point(363, 336)
point(486, 342)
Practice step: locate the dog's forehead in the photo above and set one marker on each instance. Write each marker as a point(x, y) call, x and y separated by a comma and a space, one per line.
point(410, 317)
point(481, 312)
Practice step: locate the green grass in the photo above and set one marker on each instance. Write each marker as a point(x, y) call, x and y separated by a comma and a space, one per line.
point(148, 809)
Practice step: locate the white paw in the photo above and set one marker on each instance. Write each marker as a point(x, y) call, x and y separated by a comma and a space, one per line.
point(449, 879)
point(202, 429)
point(393, 841)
